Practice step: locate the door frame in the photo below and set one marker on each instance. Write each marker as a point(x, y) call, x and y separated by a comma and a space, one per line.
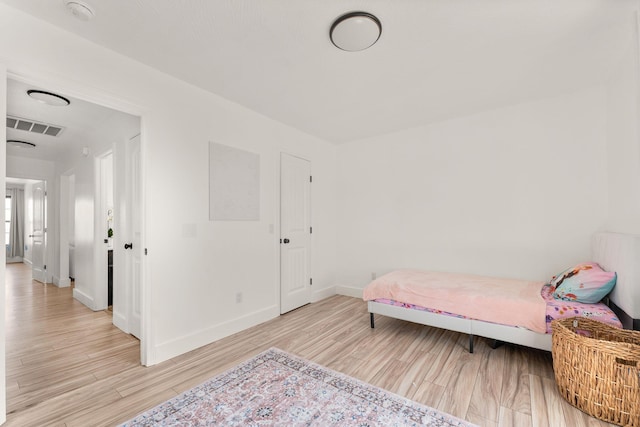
point(107, 99)
point(100, 227)
point(49, 211)
point(64, 233)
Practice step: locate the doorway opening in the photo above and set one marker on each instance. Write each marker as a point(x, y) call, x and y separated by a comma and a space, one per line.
point(80, 206)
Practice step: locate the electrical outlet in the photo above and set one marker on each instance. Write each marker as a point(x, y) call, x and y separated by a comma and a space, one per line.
point(238, 297)
point(373, 276)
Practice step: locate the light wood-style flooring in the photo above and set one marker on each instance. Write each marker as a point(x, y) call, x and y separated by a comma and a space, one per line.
point(68, 366)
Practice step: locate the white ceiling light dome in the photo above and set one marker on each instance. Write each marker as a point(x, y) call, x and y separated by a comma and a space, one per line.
point(80, 9)
point(48, 98)
point(20, 144)
point(355, 31)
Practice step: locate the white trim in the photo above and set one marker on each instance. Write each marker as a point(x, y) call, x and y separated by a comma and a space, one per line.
point(320, 294)
point(84, 298)
point(197, 339)
point(120, 322)
point(100, 250)
point(63, 233)
point(61, 283)
point(26, 261)
point(350, 291)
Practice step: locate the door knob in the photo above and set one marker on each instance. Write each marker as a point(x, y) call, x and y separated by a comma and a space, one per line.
point(128, 245)
point(285, 241)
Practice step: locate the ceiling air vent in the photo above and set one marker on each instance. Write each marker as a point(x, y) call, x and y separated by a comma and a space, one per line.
point(33, 126)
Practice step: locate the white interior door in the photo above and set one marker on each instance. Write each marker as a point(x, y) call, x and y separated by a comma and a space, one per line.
point(39, 232)
point(135, 250)
point(295, 232)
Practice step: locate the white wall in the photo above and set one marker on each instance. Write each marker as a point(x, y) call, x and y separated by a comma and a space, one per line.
point(194, 266)
point(623, 148)
point(205, 263)
point(513, 192)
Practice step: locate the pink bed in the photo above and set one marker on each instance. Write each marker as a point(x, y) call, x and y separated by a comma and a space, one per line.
point(474, 303)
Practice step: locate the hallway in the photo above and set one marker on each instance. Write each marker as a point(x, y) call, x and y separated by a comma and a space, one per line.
point(54, 344)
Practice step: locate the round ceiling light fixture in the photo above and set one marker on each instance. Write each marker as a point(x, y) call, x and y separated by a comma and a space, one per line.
point(21, 144)
point(355, 31)
point(80, 9)
point(48, 98)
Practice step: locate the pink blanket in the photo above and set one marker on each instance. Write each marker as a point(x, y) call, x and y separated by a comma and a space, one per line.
point(505, 301)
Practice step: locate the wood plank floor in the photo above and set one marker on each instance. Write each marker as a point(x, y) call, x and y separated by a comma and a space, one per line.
point(68, 366)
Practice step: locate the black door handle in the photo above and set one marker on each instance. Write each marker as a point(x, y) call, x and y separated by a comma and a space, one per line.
point(285, 241)
point(128, 245)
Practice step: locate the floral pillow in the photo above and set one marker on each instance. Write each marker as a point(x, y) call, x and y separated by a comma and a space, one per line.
point(586, 283)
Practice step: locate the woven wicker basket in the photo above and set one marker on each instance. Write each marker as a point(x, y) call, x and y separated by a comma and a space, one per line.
point(597, 369)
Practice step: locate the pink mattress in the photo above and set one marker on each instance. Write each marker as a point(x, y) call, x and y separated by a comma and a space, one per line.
point(556, 309)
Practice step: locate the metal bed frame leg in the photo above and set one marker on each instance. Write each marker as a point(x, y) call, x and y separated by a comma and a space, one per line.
point(495, 344)
point(372, 323)
point(470, 343)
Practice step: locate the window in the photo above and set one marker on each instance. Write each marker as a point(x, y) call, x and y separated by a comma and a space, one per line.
point(7, 219)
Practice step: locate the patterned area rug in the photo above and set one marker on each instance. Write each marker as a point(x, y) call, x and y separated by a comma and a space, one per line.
point(276, 388)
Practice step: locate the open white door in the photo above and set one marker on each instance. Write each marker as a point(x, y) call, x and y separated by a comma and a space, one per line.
point(134, 248)
point(295, 232)
point(39, 233)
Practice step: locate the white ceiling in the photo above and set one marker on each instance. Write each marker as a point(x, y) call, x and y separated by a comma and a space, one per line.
point(436, 59)
point(85, 125)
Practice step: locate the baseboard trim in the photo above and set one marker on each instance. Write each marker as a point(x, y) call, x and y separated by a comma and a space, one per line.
point(84, 298)
point(120, 322)
point(321, 294)
point(61, 283)
point(27, 261)
point(349, 291)
point(178, 346)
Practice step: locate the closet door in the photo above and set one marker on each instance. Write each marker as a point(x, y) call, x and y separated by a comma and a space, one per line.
point(295, 232)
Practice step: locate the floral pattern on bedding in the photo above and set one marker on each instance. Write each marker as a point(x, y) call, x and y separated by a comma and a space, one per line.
point(559, 309)
point(556, 309)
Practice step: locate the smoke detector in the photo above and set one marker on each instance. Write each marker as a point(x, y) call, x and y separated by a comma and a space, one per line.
point(80, 9)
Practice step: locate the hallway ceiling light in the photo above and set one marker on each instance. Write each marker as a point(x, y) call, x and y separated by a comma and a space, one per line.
point(48, 98)
point(80, 9)
point(21, 144)
point(355, 31)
